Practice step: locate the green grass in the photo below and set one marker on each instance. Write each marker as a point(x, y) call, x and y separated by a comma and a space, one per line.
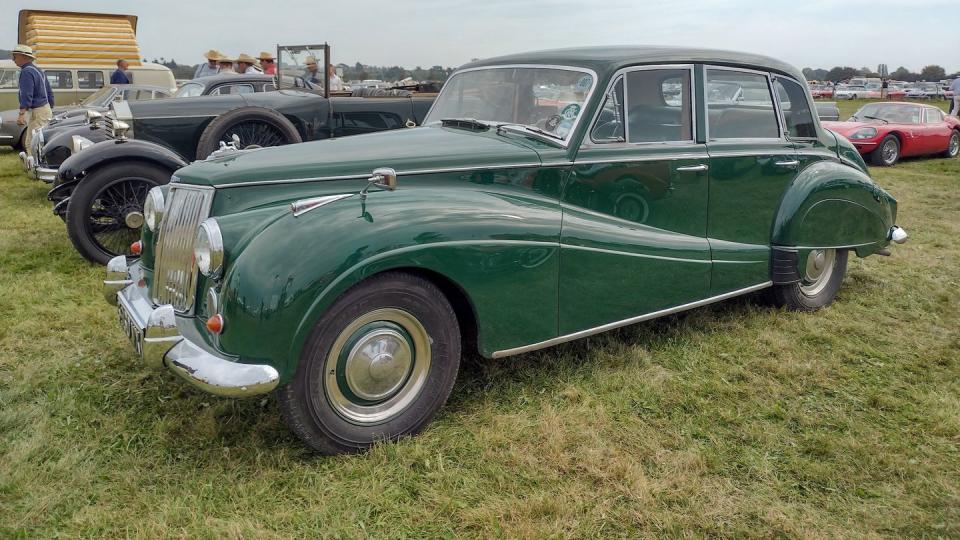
point(733, 420)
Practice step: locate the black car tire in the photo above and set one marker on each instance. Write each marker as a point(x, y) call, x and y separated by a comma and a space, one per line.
point(953, 145)
point(813, 293)
point(878, 158)
point(263, 127)
point(128, 184)
point(319, 405)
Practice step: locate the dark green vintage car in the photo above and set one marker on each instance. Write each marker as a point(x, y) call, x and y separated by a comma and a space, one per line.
point(550, 196)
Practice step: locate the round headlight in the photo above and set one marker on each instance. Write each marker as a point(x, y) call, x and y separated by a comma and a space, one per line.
point(208, 249)
point(93, 116)
point(864, 133)
point(120, 129)
point(153, 208)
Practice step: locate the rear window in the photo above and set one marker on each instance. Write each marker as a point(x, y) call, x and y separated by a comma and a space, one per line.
point(795, 108)
point(739, 106)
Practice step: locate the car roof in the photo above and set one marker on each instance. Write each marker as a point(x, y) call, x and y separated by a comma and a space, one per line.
point(141, 87)
point(607, 59)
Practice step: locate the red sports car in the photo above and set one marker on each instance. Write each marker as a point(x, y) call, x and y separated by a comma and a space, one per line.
point(885, 132)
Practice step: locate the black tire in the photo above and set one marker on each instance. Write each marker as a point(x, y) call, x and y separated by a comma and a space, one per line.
point(100, 220)
point(813, 293)
point(888, 158)
point(256, 126)
point(319, 405)
point(953, 146)
point(18, 146)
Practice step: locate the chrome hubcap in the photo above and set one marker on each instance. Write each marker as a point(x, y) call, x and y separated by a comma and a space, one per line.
point(377, 366)
point(889, 151)
point(819, 268)
point(134, 220)
point(954, 144)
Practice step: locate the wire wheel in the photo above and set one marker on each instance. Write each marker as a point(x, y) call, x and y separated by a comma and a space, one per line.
point(116, 214)
point(889, 151)
point(255, 134)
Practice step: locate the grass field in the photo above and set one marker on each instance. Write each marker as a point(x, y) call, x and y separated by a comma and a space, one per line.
point(732, 420)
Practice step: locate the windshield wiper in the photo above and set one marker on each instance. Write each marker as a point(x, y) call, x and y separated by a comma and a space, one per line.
point(875, 118)
point(465, 123)
point(535, 132)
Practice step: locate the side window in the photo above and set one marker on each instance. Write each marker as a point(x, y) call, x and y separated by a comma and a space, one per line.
point(933, 116)
point(232, 89)
point(609, 125)
point(797, 116)
point(9, 78)
point(60, 79)
point(371, 120)
point(739, 106)
point(89, 79)
point(658, 106)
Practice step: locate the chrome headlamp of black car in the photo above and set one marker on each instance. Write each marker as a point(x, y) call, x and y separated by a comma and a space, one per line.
point(208, 249)
point(93, 117)
point(153, 208)
point(78, 143)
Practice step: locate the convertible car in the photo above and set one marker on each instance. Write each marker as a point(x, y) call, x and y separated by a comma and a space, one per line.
point(885, 132)
point(350, 275)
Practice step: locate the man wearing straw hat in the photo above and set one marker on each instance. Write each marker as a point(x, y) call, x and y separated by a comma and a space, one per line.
point(245, 64)
point(226, 64)
point(268, 63)
point(211, 67)
point(36, 96)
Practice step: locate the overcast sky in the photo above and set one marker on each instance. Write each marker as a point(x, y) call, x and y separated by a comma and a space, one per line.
point(814, 33)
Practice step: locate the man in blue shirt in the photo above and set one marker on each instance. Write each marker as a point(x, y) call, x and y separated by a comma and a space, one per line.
point(955, 86)
point(36, 96)
point(119, 76)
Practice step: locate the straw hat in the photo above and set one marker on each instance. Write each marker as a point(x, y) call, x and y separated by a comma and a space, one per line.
point(224, 58)
point(246, 59)
point(265, 56)
point(310, 60)
point(212, 54)
point(24, 50)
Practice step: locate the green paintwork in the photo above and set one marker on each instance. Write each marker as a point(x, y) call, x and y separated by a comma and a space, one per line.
point(539, 241)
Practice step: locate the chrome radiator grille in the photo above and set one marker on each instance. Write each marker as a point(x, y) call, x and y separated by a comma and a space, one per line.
point(174, 270)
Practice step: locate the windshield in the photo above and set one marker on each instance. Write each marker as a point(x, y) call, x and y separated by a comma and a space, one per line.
point(100, 98)
point(550, 99)
point(189, 90)
point(900, 114)
point(304, 66)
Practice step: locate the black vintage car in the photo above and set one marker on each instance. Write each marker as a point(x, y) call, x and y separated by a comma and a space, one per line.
point(100, 191)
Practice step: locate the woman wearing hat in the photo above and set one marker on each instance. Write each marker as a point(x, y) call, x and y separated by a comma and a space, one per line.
point(36, 96)
point(268, 63)
point(226, 64)
point(211, 67)
point(246, 63)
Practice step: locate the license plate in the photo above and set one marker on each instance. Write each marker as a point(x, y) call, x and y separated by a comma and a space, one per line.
point(131, 328)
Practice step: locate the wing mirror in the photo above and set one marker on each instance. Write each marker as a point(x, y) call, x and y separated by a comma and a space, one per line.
point(384, 178)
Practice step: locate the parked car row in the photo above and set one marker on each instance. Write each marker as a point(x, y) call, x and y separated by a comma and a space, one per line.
point(872, 89)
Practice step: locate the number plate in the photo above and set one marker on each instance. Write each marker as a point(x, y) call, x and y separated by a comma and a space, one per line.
point(131, 328)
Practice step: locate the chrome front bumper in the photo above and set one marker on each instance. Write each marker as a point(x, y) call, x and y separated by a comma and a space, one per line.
point(35, 169)
point(163, 339)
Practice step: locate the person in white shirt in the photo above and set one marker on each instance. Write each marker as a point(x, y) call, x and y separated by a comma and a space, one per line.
point(246, 63)
point(336, 85)
point(226, 64)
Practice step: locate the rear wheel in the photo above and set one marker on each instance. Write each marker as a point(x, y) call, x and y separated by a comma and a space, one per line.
point(105, 211)
point(953, 147)
point(822, 272)
point(887, 153)
point(378, 365)
point(254, 126)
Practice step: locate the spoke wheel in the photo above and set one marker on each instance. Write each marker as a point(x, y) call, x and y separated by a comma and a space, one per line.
point(254, 134)
point(953, 148)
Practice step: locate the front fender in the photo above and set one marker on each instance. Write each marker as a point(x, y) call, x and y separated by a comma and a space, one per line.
point(833, 205)
point(59, 147)
point(499, 247)
point(79, 165)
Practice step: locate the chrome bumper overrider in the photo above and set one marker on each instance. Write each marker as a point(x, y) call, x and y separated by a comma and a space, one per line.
point(45, 174)
point(156, 335)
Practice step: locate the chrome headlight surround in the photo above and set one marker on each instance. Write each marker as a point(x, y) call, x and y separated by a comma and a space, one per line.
point(864, 133)
point(153, 208)
point(208, 249)
point(93, 116)
point(120, 129)
point(78, 143)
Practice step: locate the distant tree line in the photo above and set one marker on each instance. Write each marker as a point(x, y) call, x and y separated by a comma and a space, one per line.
point(836, 74)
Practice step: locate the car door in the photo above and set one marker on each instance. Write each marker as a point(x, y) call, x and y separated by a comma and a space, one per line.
point(633, 238)
point(751, 164)
point(936, 132)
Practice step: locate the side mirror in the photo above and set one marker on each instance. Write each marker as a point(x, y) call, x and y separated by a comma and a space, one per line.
point(383, 177)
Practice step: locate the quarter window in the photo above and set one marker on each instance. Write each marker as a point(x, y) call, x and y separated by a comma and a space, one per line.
point(233, 89)
point(89, 79)
point(658, 106)
point(795, 108)
point(932, 116)
point(739, 106)
point(609, 125)
point(60, 79)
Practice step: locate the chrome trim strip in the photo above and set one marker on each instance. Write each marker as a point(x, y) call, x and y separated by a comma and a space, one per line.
point(645, 157)
point(176, 117)
point(626, 322)
point(586, 100)
point(303, 206)
point(631, 254)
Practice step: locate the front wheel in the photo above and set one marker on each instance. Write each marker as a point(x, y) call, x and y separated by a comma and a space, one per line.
point(378, 365)
point(887, 153)
point(821, 277)
point(105, 210)
point(953, 147)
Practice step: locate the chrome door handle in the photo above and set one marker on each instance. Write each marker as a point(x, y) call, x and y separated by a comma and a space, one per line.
point(791, 163)
point(693, 168)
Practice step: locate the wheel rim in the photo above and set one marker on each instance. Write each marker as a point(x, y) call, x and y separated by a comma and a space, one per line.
point(889, 152)
point(377, 366)
point(116, 215)
point(954, 144)
point(255, 134)
point(817, 271)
